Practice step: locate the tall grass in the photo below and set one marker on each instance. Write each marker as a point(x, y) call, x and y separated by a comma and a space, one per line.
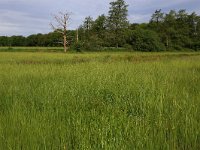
point(99, 101)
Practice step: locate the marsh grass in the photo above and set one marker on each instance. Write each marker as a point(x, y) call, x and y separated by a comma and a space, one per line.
point(100, 101)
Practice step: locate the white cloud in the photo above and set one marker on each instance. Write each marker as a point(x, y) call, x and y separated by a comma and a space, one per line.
point(17, 23)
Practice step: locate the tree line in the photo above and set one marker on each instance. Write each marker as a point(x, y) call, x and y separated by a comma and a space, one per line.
point(175, 30)
point(51, 39)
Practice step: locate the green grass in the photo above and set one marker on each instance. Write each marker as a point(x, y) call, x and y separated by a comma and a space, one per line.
point(100, 101)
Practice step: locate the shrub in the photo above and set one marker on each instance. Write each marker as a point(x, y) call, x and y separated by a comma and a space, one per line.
point(177, 47)
point(78, 46)
point(145, 40)
point(196, 46)
point(128, 47)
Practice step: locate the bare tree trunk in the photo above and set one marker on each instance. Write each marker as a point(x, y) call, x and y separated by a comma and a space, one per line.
point(65, 34)
point(65, 43)
point(62, 20)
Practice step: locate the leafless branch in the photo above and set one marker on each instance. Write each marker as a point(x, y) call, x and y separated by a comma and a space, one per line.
point(62, 21)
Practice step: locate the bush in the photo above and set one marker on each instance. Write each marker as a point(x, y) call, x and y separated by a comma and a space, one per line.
point(196, 46)
point(89, 46)
point(78, 46)
point(145, 40)
point(128, 47)
point(177, 47)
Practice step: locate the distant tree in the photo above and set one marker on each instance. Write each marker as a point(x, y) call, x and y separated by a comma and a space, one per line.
point(62, 19)
point(157, 17)
point(81, 33)
point(193, 20)
point(156, 22)
point(177, 30)
point(52, 39)
point(32, 40)
point(181, 37)
point(182, 22)
point(170, 18)
point(99, 25)
point(17, 41)
point(117, 19)
point(87, 26)
point(118, 13)
point(169, 28)
point(99, 30)
point(194, 34)
point(88, 22)
point(133, 26)
point(4, 41)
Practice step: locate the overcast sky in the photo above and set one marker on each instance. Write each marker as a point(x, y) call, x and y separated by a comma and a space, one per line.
point(25, 17)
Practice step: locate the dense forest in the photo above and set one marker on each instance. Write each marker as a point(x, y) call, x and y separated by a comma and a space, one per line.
point(175, 30)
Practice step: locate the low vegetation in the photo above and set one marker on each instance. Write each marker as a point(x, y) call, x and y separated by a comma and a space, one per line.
point(99, 101)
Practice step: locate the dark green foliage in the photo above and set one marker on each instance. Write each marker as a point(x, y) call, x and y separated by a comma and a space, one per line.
point(195, 46)
point(99, 27)
point(92, 45)
point(88, 22)
point(100, 24)
point(12, 41)
point(118, 13)
point(128, 46)
point(145, 40)
point(17, 41)
point(4, 41)
point(117, 21)
point(177, 30)
point(157, 17)
point(52, 39)
point(78, 46)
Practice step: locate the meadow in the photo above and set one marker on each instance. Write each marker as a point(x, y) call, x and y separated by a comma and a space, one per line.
point(106, 101)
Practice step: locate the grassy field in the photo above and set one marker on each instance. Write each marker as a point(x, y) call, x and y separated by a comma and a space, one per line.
point(100, 101)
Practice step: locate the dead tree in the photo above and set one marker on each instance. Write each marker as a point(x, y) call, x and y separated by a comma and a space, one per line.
point(62, 19)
